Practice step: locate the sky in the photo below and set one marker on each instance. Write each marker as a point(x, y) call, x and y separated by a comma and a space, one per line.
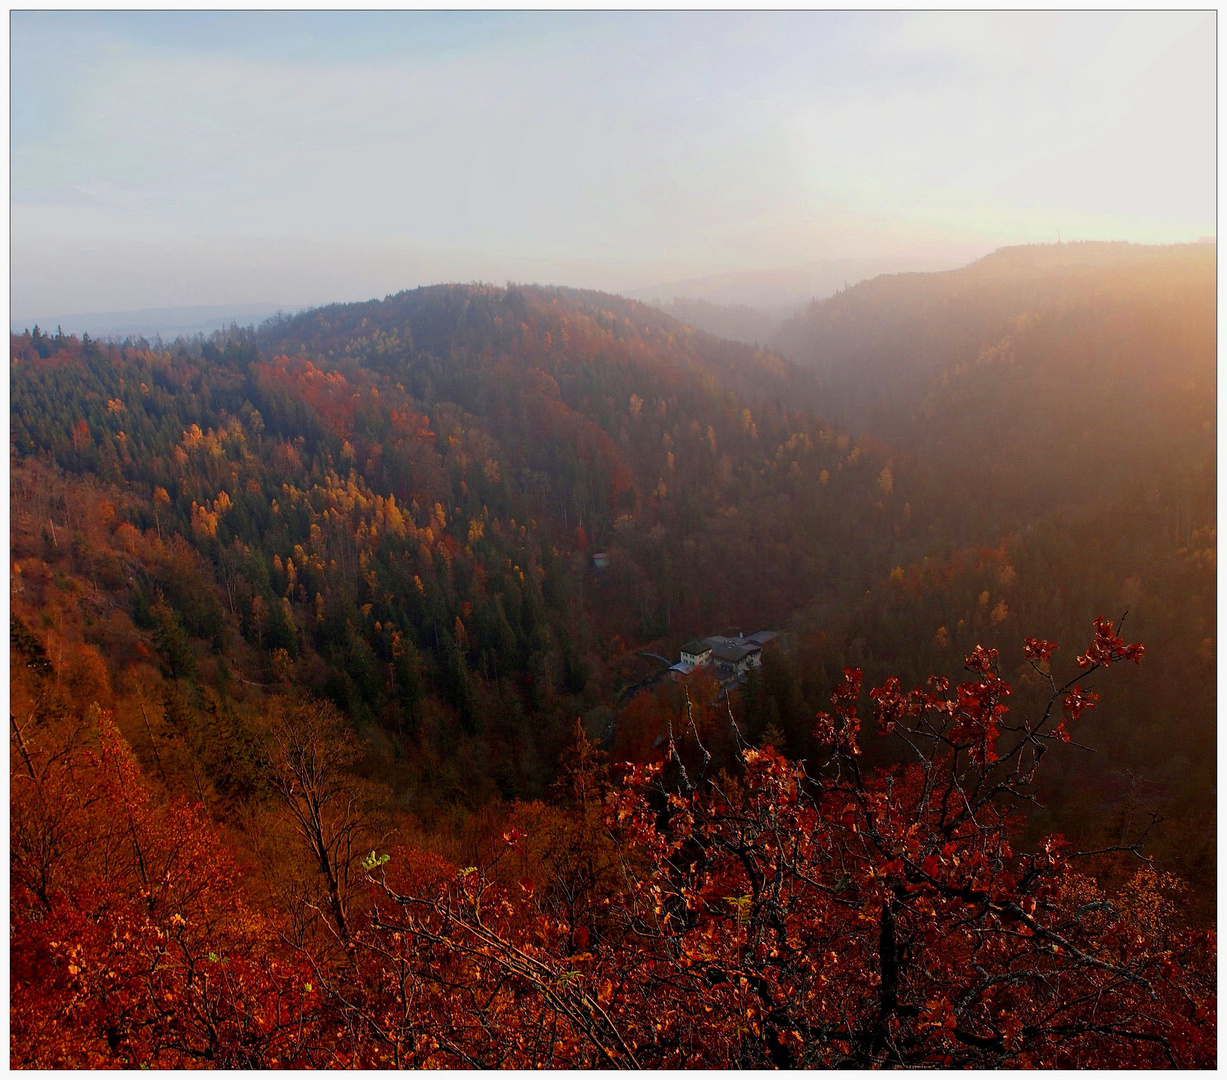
point(186, 158)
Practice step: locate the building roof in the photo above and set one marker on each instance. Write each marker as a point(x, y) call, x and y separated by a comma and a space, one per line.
point(732, 650)
point(728, 650)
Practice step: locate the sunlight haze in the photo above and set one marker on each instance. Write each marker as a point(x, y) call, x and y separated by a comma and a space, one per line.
point(297, 158)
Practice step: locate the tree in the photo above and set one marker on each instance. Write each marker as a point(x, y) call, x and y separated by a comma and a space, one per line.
point(309, 752)
point(132, 942)
point(172, 641)
point(824, 916)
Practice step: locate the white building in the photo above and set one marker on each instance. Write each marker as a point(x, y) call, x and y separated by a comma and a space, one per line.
point(732, 656)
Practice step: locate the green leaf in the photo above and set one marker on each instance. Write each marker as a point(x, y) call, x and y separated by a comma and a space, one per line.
point(373, 860)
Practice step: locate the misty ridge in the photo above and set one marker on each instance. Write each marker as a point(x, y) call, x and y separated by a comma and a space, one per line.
point(758, 303)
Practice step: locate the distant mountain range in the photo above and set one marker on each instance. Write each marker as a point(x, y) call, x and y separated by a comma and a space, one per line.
point(747, 306)
point(169, 323)
point(752, 305)
point(789, 286)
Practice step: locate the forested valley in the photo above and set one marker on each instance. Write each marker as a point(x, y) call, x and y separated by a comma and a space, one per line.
point(334, 744)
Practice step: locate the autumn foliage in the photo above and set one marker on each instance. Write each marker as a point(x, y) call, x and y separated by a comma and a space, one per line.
point(304, 617)
point(794, 914)
point(819, 917)
point(130, 939)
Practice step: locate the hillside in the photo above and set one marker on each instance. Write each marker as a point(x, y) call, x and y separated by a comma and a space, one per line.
point(1053, 408)
point(395, 505)
point(312, 656)
point(1123, 333)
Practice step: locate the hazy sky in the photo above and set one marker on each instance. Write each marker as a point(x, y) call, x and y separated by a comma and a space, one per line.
point(187, 158)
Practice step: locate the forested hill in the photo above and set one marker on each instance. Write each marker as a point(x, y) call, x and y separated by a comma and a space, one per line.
point(1053, 410)
point(304, 619)
point(904, 325)
point(1136, 320)
point(395, 505)
point(1035, 377)
point(668, 446)
point(476, 321)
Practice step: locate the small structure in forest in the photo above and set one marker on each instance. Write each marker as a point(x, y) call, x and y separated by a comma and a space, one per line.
point(732, 657)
